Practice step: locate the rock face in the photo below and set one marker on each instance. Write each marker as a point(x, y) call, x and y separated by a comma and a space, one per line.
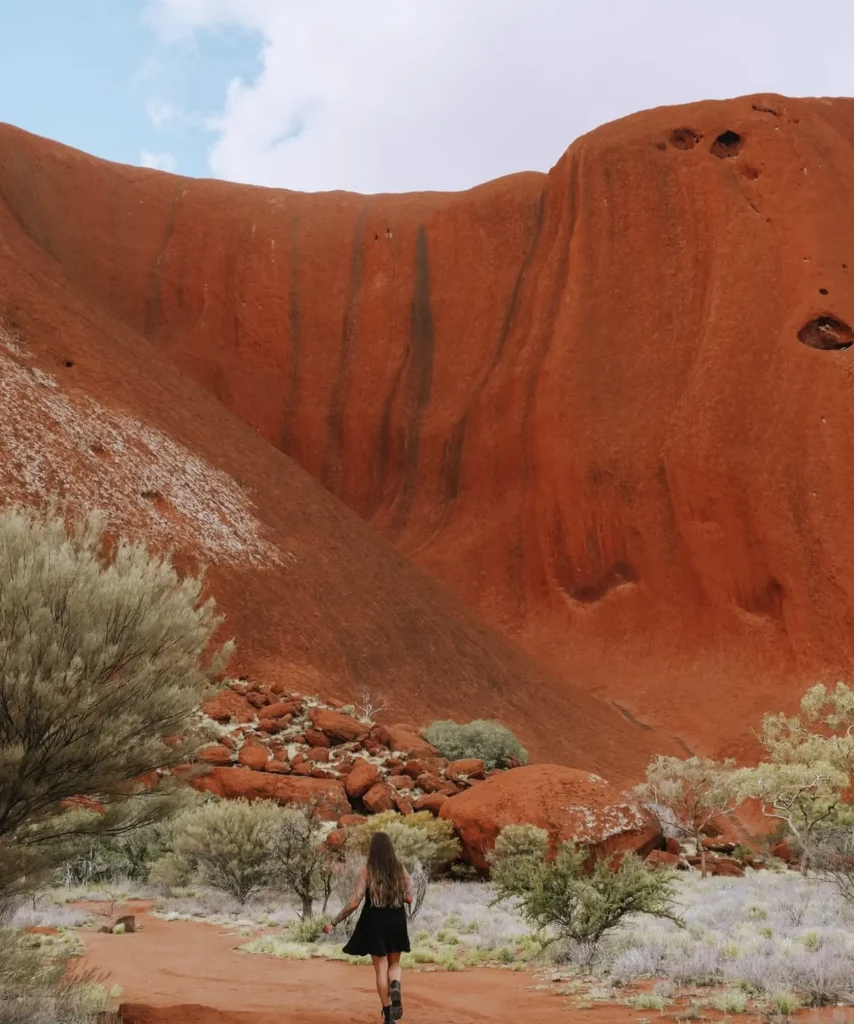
point(232, 783)
point(610, 401)
point(567, 803)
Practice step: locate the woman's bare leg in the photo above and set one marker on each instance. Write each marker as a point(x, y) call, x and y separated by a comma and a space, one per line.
point(395, 971)
point(381, 968)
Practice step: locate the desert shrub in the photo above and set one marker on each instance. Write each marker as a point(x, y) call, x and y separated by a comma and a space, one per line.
point(492, 742)
point(306, 930)
point(832, 858)
point(241, 847)
point(38, 987)
point(435, 846)
point(300, 863)
point(129, 856)
point(563, 895)
point(102, 665)
point(226, 844)
point(687, 795)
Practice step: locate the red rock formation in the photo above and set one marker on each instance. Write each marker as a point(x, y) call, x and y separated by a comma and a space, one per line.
point(609, 405)
point(568, 804)
point(236, 783)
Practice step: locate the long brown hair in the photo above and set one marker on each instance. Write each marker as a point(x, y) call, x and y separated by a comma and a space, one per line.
point(386, 878)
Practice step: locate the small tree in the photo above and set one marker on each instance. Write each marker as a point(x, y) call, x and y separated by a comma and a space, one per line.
point(491, 742)
point(301, 863)
point(808, 765)
point(833, 860)
point(577, 904)
point(105, 655)
point(806, 798)
point(692, 793)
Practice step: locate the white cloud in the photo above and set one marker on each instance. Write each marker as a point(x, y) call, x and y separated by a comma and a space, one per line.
point(388, 95)
point(161, 114)
point(158, 161)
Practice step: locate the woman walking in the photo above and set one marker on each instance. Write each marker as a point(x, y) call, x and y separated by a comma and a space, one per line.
point(381, 931)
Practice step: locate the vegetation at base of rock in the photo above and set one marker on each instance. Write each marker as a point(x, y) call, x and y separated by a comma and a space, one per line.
point(103, 666)
point(490, 742)
point(687, 795)
point(808, 765)
point(566, 897)
point(242, 847)
point(417, 838)
point(226, 844)
point(105, 655)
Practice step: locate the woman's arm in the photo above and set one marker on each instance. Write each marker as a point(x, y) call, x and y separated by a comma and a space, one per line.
point(408, 883)
point(353, 905)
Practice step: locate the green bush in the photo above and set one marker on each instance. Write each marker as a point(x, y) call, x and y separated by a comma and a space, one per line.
point(433, 838)
point(492, 742)
point(227, 844)
point(41, 987)
point(308, 930)
point(105, 656)
point(577, 904)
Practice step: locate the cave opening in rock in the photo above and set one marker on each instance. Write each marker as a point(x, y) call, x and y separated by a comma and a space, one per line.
point(727, 144)
point(685, 138)
point(827, 333)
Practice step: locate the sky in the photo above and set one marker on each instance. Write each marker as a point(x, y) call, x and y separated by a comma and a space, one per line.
point(390, 95)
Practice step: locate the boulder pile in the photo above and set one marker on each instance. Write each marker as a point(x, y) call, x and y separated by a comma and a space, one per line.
point(274, 743)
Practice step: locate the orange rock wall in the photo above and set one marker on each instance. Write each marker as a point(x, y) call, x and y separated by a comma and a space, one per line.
point(579, 399)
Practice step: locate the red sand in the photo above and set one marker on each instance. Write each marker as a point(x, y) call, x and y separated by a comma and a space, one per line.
point(579, 399)
point(183, 964)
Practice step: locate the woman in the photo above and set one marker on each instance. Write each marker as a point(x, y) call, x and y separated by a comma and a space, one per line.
point(381, 931)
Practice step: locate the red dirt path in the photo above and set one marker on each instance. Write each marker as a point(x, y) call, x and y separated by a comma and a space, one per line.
point(192, 969)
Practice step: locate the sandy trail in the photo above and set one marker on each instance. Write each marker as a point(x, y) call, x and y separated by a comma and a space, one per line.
point(190, 973)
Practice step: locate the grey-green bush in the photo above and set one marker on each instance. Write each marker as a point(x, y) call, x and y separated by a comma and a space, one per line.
point(226, 844)
point(577, 904)
point(434, 843)
point(242, 847)
point(492, 742)
point(105, 655)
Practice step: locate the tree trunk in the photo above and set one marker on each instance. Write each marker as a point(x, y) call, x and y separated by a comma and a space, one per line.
point(307, 907)
point(702, 851)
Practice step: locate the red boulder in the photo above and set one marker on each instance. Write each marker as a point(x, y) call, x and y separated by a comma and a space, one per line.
point(254, 755)
point(363, 775)
point(379, 798)
point(229, 705)
point(568, 803)
point(467, 767)
point(216, 754)
point(316, 738)
point(337, 726)
point(402, 739)
point(431, 802)
point(232, 783)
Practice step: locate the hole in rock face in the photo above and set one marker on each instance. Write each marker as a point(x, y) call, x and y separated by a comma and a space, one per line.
point(827, 333)
point(661, 145)
point(727, 144)
point(69, 363)
point(822, 291)
point(765, 108)
point(685, 138)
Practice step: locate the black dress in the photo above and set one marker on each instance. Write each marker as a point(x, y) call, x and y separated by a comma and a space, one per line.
point(379, 931)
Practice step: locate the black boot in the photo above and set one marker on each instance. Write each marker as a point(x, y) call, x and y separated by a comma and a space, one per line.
point(396, 1000)
point(387, 1015)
